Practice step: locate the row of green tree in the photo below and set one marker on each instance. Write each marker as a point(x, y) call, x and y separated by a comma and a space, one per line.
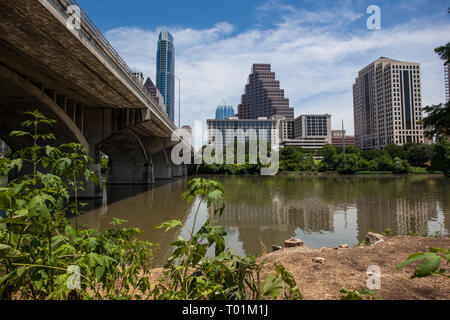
point(409, 158)
point(247, 168)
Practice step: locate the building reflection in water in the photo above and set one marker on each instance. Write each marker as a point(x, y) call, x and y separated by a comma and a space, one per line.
point(265, 211)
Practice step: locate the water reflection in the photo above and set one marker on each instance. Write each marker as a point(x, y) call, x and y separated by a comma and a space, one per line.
point(263, 211)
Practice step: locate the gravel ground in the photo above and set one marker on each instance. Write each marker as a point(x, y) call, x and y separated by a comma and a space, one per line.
point(347, 267)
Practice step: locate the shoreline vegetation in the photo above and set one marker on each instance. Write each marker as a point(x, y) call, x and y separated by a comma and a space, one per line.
point(411, 158)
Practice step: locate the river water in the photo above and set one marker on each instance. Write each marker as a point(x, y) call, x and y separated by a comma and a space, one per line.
point(264, 211)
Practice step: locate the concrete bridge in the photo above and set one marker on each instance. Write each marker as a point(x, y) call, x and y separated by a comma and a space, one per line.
point(74, 76)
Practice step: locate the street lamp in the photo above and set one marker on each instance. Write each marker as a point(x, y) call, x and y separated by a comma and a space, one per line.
point(179, 97)
point(179, 100)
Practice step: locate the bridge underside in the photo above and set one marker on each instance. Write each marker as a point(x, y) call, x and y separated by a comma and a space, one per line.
point(72, 77)
point(136, 154)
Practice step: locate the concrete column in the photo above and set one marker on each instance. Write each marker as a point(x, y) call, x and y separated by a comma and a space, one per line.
point(177, 171)
point(163, 171)
point(126, 172)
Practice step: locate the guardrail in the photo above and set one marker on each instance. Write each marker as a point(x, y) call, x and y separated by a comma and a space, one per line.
point(91, 29)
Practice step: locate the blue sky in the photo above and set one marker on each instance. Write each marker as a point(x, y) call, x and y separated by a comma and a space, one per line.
point(316, 47)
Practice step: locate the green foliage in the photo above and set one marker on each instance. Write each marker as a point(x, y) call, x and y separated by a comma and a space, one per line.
point(191, 274)
point(437, 123)
point(348, 164)
point(394, 150)
point(38, 245)
point(417, 154)
point(295, 159)
point(417, 170)
point(363, 294)
point(400, 166)
point(440, 157)
point(245, 168)
point(330, 159)
point(104, 165)
point(429, 262)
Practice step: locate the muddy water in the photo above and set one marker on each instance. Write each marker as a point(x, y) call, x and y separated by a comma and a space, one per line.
point(265, 211)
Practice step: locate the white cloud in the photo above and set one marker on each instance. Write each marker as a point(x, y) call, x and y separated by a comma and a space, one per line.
point(316, 64)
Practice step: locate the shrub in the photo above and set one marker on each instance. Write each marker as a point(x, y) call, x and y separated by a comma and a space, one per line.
point(400, 166)
point(348, 164)
point(38, 245)
point(418, 170)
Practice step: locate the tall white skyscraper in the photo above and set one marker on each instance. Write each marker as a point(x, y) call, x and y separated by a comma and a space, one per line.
point(387, 104)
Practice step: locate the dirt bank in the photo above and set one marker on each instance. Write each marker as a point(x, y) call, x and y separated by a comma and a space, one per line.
point(347, 267)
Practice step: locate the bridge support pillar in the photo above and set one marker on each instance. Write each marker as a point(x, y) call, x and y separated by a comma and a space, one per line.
point(163, 172)
point(125, 172)
point(177, 171)
point(162, 166)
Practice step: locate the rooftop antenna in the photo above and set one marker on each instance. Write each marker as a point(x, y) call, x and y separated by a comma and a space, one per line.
point(224, 101)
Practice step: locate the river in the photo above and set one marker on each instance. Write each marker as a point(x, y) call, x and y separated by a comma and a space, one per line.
point(264, 211)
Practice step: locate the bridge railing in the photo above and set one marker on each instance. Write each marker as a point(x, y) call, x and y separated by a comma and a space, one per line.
point(95, 34)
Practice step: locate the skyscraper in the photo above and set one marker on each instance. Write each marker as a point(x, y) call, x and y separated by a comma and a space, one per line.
point(447, 81)
point(263, 96)
point(224, 111)
point(154, 92)
point(387, 104)
point(165, 71)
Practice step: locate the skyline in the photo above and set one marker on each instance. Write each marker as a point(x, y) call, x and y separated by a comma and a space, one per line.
point(214, 59)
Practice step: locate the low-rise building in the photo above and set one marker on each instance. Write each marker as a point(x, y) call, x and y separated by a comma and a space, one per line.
point(139, 76)
point(223, 133)
point(308, 131)
point(338, 137)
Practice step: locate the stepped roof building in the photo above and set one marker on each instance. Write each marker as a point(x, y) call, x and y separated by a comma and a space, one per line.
point(263, 96)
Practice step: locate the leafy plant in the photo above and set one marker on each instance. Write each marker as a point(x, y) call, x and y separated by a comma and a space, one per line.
point(38, 245)
point(429, 262)
point(363, 294)
point(191, 274)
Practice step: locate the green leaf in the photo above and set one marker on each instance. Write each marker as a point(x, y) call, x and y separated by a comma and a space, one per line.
point(117, 221)
point(4, 250)
point(99, 271)
point(169, 225)
point(21, 271)
point(412, 258)
point(429, 266)
point(271, 286)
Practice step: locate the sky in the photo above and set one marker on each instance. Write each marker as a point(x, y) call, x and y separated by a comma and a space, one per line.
point(315, 47)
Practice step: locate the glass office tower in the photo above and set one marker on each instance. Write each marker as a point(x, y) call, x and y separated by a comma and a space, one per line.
point(165, 71)
point(224, 111)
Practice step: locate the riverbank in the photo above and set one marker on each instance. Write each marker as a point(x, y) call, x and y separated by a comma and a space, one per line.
point(358, 174)
point(347, 267)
